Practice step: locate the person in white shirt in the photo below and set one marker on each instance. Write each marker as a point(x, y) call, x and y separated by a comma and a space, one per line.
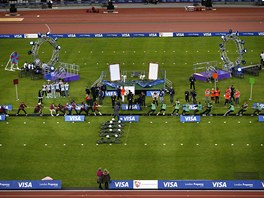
point(262, 58)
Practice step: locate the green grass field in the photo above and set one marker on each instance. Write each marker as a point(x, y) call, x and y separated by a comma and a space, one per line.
point(215, 148)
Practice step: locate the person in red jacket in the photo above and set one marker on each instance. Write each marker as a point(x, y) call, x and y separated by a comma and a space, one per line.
point(96, 108)
point(22, 107)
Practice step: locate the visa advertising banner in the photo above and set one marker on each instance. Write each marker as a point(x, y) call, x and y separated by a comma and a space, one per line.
point(74, 118)
point(188, 184)
point(30, 185)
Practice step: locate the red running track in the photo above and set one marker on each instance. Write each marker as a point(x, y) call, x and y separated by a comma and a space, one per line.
point(136, 20)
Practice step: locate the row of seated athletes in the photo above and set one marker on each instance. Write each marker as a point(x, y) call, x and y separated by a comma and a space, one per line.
point(198, 109)
point(53, 90)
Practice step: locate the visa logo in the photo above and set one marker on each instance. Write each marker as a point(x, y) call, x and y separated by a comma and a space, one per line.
point(110, 93)
point(190, 118)
point(125, 35)
point(153, 34)
point(75, 118)
point(170, 184)
point(207, 34)
point(129, 118)
point(262, 183)
point(219, 184)
point(98, 35)
point(179, 34)
point(18, 36)
point(24, 184)
point(261, 33)
point(71, 35)
point(121, 184)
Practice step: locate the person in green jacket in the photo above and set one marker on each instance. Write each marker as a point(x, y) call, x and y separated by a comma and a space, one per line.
point(176, 107)
point(162, 109)
point(199, 108)
point(153, 108)
point(231, 109)
point(186, 109)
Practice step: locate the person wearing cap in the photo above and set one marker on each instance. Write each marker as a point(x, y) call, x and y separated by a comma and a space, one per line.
point(106, 178)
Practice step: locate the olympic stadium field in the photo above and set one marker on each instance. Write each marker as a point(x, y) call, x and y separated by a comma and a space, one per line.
point(157, 147)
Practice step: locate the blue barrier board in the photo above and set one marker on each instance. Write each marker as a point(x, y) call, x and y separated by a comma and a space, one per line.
point(129, 118)
point(189, 184)
point(190, 118)
point(30, 184)
point(2, 117)
point(74, 118)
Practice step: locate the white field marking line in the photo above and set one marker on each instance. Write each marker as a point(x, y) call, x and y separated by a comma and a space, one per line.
point(49, 30)
point(127, 133)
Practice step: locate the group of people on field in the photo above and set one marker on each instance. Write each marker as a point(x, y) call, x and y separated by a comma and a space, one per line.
point(103, 178)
